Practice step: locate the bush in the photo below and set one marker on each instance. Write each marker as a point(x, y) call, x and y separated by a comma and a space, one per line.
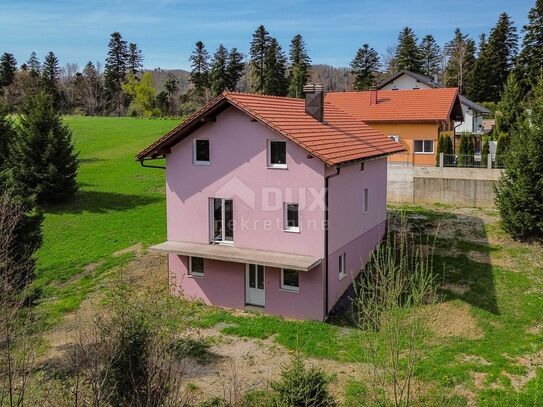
point(300, 386)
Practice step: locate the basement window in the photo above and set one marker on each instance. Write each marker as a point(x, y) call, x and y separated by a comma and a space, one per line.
point(201, 152)
point(424, 146)
point(196, 266)
point(277, 154)
point(290, 280)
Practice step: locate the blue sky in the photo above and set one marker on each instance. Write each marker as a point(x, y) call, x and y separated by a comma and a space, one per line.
point(166, 30)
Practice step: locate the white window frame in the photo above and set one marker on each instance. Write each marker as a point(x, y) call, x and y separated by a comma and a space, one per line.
point(365, 200)
point(197, 274)
point(423, 149)
point(288, 287)
point(286, 227)
point(394, 137)
point(194, 160)
point(223, 222)
point(342, 266)
point(268, 153)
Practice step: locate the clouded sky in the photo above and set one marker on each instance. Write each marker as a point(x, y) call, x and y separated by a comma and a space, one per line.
point(166, 30)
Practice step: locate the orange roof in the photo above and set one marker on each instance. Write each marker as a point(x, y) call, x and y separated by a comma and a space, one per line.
point(399, 105)
point(341, 138)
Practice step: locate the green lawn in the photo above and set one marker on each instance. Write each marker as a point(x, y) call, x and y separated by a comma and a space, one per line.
point(121, 204)
point(118, 205)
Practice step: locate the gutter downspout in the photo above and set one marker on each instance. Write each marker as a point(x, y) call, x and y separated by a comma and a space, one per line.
point(150, 166)
point(326, 178)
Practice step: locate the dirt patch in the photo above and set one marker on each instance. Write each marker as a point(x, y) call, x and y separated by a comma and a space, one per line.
point(137, 248)
point(89, 268)
point(531, 363)
point(478, 360)
point(448, 319)
point(535, 330)
point(479, 379)
point(458, 289)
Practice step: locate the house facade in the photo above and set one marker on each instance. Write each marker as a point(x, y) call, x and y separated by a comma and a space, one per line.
point(414, 118)
point(272, 202)
point(472, 113)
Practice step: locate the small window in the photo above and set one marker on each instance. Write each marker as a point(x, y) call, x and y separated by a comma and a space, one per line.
point(291, 217)
point(196, 266)
point(394, 137)
point(362, 166)
point(290, 280)
point(424, 146)
point(365, 200)
point(201, 152)
point(277, 154)
point(342, 271)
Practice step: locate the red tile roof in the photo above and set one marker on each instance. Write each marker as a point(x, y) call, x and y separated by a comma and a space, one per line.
point(341, 138)
point(398, 105)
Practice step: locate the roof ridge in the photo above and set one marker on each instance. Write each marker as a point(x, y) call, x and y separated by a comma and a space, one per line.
point(226, 93)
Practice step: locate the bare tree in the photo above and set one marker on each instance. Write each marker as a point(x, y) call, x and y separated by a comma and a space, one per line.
point(389, 61)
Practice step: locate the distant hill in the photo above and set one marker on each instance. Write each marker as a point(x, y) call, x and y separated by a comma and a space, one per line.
point(333, 79)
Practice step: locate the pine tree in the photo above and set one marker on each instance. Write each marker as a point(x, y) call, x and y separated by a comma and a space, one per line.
point(115, 70)
point(448, 151)
point(440, 148)
point(485, 152)
point(51, 74)
point(134, 61)
point(364, 66)
point(275, 70)
point(45, 163)
point(7, 136)
point(258, 51)
point(530, 60)
point(408, 54)
point(480, 78)
point(300, 65)
point(199, 75)
point(510, 109)
point(502, 50)
point(519, 192)
point(8, 67)
point(431, 56)
point(33, 64)
point(466, 150)
point(460, 52)
point(234, 69)
point(219, 71)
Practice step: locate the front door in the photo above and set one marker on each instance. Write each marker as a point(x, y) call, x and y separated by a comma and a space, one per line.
point(254, 283)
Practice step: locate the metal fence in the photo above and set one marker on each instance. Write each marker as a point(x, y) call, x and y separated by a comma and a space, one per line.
point(448, 160)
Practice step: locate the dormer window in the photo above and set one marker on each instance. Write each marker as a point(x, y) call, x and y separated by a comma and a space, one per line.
point(277, 154)
point(201, 152)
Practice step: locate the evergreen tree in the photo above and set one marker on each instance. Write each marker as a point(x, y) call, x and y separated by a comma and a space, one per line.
point(510, 110)
point(431, 56)
point(480, 78)
point(199, 75)
point(51, 75)
point(134, 61)
point(33, 64)
point(44, 163)
point(408, 54)
point(502, 50)
point(448, 151)
point(530, 61)
point(234, 69)
point(6, 138)
point(300, 64)
point(258, 51)
point(8, 67)
point(365, 66)
point(219, 71)
point(485, 152)
point(115, 70)
point(440, 148)
point(275, 70)
point(519, 192)
point(460, 52)
point(466, 150)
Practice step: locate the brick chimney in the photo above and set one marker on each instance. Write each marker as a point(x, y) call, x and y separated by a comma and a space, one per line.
point(314, 100)
point(373, 96)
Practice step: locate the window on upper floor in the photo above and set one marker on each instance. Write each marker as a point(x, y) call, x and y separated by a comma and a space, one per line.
point(222, 220)
point(196, 266)
point(291, 217)
point(365, 200)
point(290, 280)
point(342, 267)
point(394, 137)
point(424, 146)
point(201, 152)
point(277, 154)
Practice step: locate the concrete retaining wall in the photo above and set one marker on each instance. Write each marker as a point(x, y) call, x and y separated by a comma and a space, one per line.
point(460, 186)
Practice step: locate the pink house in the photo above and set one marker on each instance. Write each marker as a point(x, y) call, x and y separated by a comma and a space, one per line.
point(272, 202)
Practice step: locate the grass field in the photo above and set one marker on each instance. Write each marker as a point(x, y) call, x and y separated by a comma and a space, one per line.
point(487, 339)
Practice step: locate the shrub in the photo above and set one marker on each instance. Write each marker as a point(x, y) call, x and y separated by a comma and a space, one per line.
point(300, 386)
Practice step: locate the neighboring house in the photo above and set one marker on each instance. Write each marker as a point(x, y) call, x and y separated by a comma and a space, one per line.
point(272, 202)
point(472, 121)
point(414, 118)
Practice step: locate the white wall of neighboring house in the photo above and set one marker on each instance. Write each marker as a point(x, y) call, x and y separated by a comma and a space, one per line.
point(405, 82)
